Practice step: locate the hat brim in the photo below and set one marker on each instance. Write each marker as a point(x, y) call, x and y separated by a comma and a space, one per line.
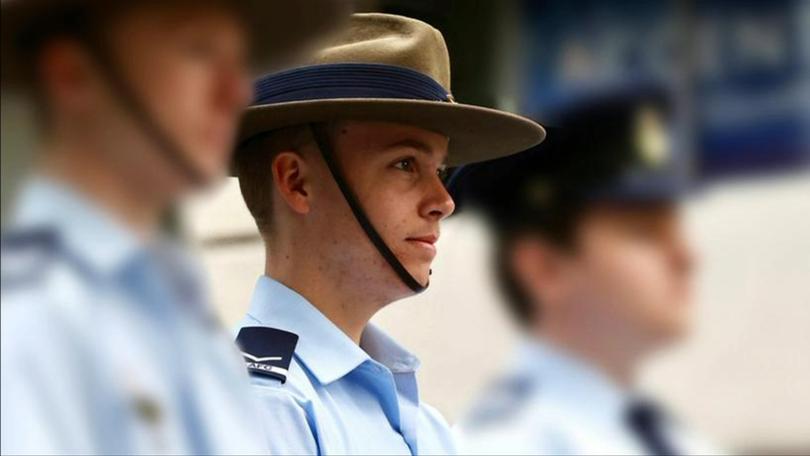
point(279, 32)
point(475, 133)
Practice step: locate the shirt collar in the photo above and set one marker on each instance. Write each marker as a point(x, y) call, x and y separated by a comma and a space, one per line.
point(383, 349)
point(323, 348)
point(563, 375)
point(87, 232)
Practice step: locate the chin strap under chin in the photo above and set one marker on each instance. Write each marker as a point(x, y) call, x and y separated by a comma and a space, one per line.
point(325, 146)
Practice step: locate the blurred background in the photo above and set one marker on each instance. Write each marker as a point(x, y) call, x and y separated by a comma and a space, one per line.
point(740, 72)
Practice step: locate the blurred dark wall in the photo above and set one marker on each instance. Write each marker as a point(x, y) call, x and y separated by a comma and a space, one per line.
point(472, 30)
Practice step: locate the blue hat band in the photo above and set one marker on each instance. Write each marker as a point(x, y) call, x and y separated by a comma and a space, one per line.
point(347, 80)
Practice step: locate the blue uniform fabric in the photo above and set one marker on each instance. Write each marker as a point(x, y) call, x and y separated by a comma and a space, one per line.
point(550, 402)
point(338, 397)
point(108, 344)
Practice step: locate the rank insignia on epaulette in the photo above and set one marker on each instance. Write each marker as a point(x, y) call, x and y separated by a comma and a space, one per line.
point(267, 351)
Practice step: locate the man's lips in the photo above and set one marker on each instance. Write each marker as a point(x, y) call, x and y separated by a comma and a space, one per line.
point(428, 239)
point(425, 242)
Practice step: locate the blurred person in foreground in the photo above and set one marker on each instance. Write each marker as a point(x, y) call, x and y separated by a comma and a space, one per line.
point(108, 343)
point(341, 167)
point(594, 264)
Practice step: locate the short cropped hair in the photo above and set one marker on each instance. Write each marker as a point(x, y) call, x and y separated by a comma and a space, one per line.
point(253, 165)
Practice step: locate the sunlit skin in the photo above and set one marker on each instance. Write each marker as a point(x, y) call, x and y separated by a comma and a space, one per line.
point(320, 250)
point(623, 290)
point(187, 66)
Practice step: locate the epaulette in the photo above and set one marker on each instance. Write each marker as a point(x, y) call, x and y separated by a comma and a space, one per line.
point(25, 253)
point(267, 351)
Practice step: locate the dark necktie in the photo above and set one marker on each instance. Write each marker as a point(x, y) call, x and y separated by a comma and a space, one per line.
point(646, 421)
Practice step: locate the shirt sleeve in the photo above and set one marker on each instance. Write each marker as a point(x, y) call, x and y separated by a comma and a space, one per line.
point(287, 419)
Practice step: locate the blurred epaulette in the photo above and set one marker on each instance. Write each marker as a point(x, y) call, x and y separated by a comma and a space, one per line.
point(503, 399)
point(25, 255)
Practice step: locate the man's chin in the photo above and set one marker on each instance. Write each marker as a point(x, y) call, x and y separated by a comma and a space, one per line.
point(420, 272)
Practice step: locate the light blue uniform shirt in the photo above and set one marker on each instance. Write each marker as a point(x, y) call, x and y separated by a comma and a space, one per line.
point(340, 398)
point(108, 345)
point(550, 402)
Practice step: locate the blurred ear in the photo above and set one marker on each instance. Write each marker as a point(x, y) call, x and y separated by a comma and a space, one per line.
point(291, 179)
point(66, 75)
point(539, 268)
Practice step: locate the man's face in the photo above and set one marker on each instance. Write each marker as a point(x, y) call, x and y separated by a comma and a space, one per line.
point(189, 67)
point(185, 64)
point(631, 271)
point(394, 171)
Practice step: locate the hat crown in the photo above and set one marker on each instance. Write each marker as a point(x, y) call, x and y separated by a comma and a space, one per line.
point(391, 40)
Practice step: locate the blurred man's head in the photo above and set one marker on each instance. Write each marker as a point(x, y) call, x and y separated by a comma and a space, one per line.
point(186, 67)
point(395, 172)
point(590, 244)
point(622, 274)
point(147, 94)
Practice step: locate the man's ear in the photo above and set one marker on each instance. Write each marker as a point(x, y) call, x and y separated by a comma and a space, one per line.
point(290, 177)
point(65, 72)
point(539, 268)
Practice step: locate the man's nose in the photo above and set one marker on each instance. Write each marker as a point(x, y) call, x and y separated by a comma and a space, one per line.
point(439, 204)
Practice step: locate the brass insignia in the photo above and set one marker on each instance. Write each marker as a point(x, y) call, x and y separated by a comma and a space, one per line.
point(652, 137)
point(147, 409)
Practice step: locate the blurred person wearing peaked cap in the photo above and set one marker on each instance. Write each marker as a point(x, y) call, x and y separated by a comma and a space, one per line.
point(341, 166)
point(594, 265)
point(108, 343)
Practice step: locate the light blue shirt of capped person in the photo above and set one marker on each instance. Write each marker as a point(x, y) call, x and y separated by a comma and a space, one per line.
point(550, 402)
point(338, 397)
point(108, 346)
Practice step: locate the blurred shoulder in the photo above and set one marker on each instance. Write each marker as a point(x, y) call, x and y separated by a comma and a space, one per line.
point(505, 399)
point(513, 416)
point(35, 266)
point(43, 296)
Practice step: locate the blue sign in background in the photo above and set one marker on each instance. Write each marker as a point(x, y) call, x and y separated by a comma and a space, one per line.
point(742, 70)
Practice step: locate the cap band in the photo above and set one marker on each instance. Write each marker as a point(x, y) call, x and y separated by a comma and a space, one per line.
point(347, 80)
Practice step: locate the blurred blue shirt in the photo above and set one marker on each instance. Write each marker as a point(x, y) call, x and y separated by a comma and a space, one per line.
point(108, 345)
point(550, 402)
point(341, 398)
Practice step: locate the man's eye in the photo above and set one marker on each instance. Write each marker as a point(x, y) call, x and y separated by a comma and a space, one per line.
point(443, 173)
point(405, 164)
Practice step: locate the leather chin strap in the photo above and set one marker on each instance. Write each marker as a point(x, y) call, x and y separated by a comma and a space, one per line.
point(325, 146)
point(132, 103)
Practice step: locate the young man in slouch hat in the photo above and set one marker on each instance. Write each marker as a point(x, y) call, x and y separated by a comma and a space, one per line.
point(341, 166)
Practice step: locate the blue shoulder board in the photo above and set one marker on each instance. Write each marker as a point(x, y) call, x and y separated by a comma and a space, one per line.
point(504, 398)
point(267, 351)
point(25, 253)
